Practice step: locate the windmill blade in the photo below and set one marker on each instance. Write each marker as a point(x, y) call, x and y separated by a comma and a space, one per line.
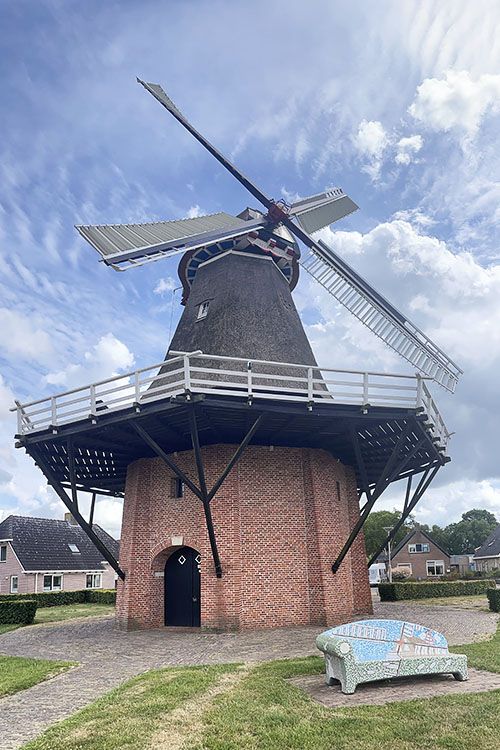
point(372, 309)
point(159, 94)
point(123, 246)
point(321, 210)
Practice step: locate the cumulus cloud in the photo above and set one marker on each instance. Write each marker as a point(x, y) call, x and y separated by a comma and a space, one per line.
point(371, 140)
point(107, 358)
point(456, 101)
point(407, 148)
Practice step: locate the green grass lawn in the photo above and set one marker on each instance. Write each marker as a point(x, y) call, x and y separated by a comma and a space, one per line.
point(71, 611)
point(65, 612)
point(18, 673)
point(230, 707)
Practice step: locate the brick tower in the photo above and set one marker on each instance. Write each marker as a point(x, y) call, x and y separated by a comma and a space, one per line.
point(284, 510)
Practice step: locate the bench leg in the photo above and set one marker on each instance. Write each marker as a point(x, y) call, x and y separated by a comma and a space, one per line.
point(460, 676)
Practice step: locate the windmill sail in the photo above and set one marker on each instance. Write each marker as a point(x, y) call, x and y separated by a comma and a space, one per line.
point(382, 318)
point(321, 210)
point(122, 246)
point(332, 272)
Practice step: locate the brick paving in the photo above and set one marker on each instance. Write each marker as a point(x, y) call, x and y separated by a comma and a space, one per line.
point(108, 657)
point(402, 689)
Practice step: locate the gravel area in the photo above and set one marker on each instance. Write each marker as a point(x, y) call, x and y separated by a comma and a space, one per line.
point(108, 657)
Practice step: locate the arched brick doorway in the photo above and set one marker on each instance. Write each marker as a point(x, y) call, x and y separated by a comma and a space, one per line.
point(182, 588)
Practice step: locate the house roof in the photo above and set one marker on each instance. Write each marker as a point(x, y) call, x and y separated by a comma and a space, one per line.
point(412, 533)
point(491, 545)
point(43, 544)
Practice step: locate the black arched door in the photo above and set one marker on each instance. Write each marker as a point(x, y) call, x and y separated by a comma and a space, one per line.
point(182, 588)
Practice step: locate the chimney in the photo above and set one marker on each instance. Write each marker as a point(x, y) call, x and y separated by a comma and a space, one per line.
point(69, 518)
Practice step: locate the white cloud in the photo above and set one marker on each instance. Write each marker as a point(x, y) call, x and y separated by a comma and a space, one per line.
point(457, 101)
point(371, 141)
point(104, 360)
point(165, 285)
point(407, 148)
point(23, 337)
point(194, 212)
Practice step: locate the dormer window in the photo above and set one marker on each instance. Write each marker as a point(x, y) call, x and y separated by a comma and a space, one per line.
point(74, 548)
point(203, 310)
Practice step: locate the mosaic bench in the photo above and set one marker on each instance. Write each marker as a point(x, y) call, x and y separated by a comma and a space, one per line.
point(371, 650)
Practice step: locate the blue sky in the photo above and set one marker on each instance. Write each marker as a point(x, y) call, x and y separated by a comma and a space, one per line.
point(398, 103)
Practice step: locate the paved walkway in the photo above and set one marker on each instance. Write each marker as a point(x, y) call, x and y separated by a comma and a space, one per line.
point(108, 657)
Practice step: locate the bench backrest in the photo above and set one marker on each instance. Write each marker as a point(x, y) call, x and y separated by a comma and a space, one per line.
point(374, 640)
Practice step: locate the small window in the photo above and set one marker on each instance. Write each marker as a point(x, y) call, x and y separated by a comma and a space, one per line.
point(3, 553)
point(73, 548)
point(435, 567)
point(203, 310)
point(14, 584)
point(94, 581)
point(52, 583)
point(176, 487)
point(418, 548)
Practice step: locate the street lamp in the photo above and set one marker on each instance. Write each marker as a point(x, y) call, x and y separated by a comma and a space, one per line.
point(388, 529)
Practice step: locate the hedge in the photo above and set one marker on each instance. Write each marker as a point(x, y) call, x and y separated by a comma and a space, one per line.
point(392, 592)
point(17, 612)
point(494, 599)
point(58, 598)
point(101, 596)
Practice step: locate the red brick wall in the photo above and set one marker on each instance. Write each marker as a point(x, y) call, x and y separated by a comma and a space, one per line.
point(279, 521)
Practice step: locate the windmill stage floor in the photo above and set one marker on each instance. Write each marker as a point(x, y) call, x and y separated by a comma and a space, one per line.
point(397, 689)
point(108, 657)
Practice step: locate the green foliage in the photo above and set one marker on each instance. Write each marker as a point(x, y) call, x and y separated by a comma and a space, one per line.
point(59, 598)
point(374, 532)
point(476, 525)
point(98, 596)
point(17, 612)
point(494, 599)
point(392, 592)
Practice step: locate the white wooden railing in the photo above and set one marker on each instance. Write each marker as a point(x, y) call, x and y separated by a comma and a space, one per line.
point(195, 372)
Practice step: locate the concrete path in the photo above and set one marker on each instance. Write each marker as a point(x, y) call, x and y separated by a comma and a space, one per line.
point(108, 657)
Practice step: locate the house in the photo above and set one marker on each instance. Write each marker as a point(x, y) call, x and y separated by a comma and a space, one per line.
point(419, 556)
point(487, 557)
point(45, 554)
point(462, 563)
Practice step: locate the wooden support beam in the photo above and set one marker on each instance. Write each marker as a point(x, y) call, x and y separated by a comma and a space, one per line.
point(59, 490)
point(251, 432)
point(165, 457)
point(204, 493)
point(92, 508)
point(425, 481)
point(382, 483)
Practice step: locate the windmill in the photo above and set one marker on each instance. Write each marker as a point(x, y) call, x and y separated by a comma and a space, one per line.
point(237, 447)
point(274, 232)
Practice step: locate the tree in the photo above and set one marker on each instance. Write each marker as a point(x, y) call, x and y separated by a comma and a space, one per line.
point(469, 533)
point(375, 535)
point(439, 535)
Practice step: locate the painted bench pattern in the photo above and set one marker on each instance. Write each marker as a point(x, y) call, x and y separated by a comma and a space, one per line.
point(370, 650)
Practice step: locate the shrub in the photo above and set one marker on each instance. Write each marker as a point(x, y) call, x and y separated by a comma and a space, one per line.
point(101, 596)
point(494, 599)
point(59, 598)
point(17, 612)
point(392, 592)
point(51, 598)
